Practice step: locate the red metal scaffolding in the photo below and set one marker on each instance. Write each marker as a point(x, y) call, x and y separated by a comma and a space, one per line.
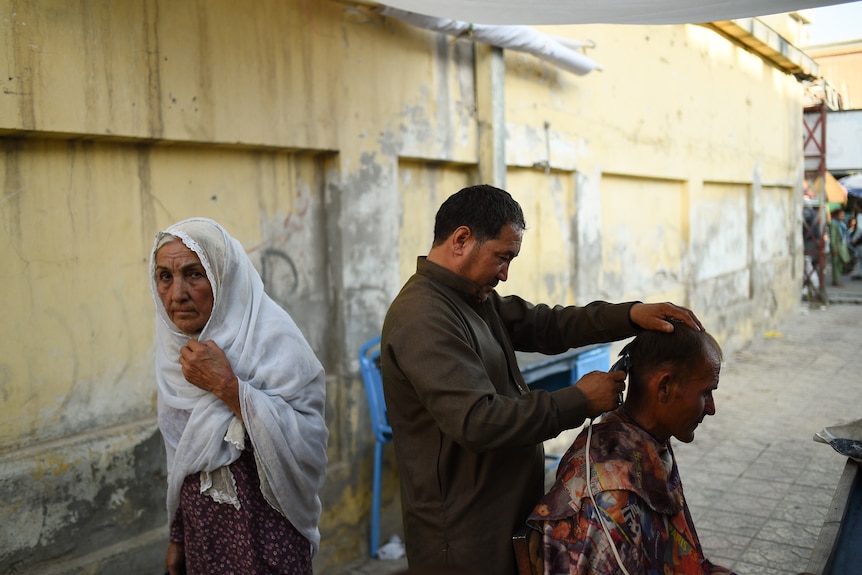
point(814, 221)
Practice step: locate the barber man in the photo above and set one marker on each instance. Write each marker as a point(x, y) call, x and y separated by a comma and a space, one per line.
point(467, 430)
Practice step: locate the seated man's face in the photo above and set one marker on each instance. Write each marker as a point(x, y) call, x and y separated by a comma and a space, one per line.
point(692, 399)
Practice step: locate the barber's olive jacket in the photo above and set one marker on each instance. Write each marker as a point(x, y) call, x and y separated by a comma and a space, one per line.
point(467, 430)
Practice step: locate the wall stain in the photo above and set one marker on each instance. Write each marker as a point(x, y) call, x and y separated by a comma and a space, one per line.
point(279, 275)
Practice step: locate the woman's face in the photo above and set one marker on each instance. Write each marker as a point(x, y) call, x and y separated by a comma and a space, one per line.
point(183, 287)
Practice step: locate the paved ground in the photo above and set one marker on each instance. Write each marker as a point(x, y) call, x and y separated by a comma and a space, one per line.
point(758, 485)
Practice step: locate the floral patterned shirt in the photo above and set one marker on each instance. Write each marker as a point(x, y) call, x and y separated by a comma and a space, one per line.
point(637, 489)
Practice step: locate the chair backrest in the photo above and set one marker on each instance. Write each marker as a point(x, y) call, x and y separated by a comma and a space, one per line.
point(369, 365)
point(528, 551)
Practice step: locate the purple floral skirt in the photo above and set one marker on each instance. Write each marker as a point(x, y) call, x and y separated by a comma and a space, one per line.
point(253, 540)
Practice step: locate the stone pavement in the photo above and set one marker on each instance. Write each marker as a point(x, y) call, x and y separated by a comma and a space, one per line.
point(758, 485)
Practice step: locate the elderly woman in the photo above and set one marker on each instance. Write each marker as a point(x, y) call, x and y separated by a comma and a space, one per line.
point(240, 398)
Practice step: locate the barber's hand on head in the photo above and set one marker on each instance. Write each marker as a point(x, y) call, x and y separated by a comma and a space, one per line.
point(206, 366)
point(655, 316)
point(175, 561)
point(602, 390)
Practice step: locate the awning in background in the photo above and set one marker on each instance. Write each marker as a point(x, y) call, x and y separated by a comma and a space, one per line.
point(533, 12)
point(853, 185)
point(835, 192)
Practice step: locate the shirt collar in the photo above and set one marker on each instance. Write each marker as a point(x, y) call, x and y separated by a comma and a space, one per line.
point(624, 414)
point(470, 291)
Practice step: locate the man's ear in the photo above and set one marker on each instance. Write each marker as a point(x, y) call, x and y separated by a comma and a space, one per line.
point(663, 381)
point(461, 240)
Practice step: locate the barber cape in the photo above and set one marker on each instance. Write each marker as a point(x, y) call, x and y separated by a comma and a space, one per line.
point(635, 480)
point(281, 388)
point(623, 457)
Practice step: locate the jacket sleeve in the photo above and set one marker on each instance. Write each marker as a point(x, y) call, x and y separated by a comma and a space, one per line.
point(553, 330)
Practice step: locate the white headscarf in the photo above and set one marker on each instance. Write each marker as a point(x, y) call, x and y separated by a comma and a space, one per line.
point(281, 384)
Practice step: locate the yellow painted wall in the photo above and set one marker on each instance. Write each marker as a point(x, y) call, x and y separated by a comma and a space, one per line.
point(841, 66)
point(672, 100)
point(423, 188)
point(324, 137)
point(544, 270)
point(669, 145)
point(643, 254)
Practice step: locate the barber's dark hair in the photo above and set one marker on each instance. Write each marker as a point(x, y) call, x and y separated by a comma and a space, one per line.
point(684, 349)
point(483, 208)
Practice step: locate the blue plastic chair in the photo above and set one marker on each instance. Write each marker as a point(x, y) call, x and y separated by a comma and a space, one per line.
point(369, 364)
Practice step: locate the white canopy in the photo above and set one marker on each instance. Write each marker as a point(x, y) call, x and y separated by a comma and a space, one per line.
point(538, 12)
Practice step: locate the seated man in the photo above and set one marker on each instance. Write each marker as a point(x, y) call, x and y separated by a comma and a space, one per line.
point(623, 510)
